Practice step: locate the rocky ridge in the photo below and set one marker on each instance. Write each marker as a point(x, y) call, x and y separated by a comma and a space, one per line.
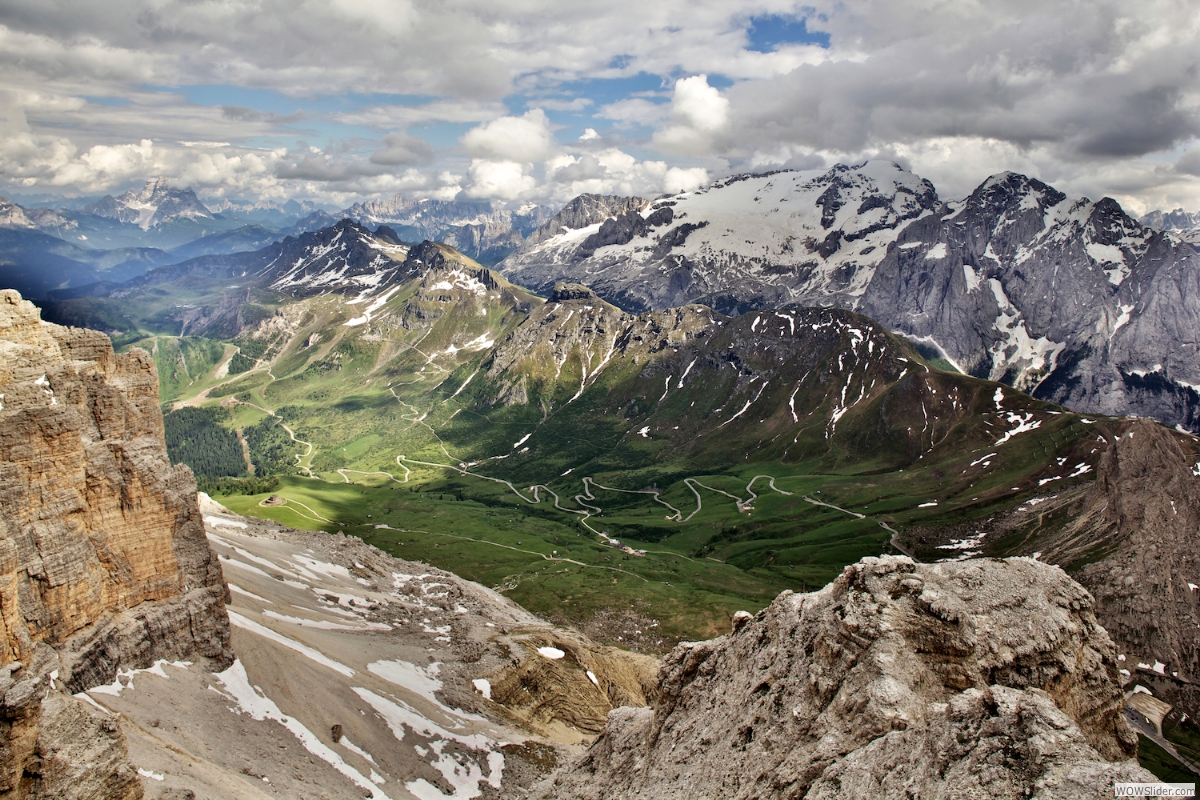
point(103, 561)
point(484, 232)
point(1129, 538)
point(1185, 224)
point(364, 675)
point(975, 679)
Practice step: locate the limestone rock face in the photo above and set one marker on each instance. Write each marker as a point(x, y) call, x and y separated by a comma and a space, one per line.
point(1132, 542)
point(984, 678)
point(104, 563)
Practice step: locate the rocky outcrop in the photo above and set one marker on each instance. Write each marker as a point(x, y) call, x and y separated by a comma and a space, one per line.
point(582, 212)
point(483, 231)
point(1185, 224)
point(103, 560)
point(1131, 540)
point(972, 679)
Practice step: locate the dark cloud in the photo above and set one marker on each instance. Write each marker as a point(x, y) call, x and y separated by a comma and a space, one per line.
point(243, 114)
point(401, 149)
point(1109, 81)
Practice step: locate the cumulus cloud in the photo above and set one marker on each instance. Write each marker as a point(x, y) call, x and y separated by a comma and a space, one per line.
point(684, 180)
point(1102, 98)
point(498, 180)
point(699, 112)
point(526, 138)
point(1117, 82)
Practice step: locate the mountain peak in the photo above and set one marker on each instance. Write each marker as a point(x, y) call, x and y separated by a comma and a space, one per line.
point(152, 205)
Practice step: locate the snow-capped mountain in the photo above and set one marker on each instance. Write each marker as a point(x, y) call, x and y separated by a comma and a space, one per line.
point(16, 216)
point(153, 205)
point(744, 242)
point(1185, 224)
point(1068, 298)
point(484, 232)
point(268, 212)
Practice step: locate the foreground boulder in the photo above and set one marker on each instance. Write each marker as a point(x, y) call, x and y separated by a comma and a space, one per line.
point(104, 563)
point(979, 679)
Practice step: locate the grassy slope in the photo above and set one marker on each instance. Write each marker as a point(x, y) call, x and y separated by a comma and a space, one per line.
point(364, 396)
point(695, 574)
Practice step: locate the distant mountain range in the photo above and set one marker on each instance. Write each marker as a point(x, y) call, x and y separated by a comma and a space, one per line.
point(1186, 224)
point(167, 225)
point(156, 204)
point(1070, 299)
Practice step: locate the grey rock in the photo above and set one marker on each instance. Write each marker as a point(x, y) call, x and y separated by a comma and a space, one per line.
point(1069, 299)
point(1131, 540)
point(1186, 224)
point(974, 679)
point(153, 205)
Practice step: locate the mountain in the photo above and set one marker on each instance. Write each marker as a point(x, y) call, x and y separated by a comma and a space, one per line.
point(479, 230)
point(461, 698)
point(395, 359)
point(14, 216)
point(104, 567)
point(1072, 300)
point(1184, 224)
point(744, 242)
point(156, 203)
point(266, 212)
point(977, 679)
point(247, 238)
point(156, 216)
point(35, 263)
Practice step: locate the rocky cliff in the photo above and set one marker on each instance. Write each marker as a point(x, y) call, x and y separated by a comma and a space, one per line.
point(103, 560)
point(1129, 537)
point(973, 679)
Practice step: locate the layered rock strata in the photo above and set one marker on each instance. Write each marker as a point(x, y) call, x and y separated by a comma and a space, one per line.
point(983, 678)
point(1131, 540)
point(103, 559)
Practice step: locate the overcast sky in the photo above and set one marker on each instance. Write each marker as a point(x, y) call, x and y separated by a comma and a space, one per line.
point(540, 100)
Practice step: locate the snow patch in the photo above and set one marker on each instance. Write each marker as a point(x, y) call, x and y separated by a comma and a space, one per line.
point(221, 522)
point(238, 621)
point(974, 279)
point(260, 707)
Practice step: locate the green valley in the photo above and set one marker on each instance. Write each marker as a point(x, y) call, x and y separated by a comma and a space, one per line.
point(645, 475)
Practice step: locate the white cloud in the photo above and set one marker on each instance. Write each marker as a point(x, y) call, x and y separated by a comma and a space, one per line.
point(698, 105)
point(700, 112)
point(498, 180)
point(684, 180)
point(526, 138)
point(1093, 99)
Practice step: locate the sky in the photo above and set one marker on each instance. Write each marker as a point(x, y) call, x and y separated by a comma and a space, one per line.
point(520, 101)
